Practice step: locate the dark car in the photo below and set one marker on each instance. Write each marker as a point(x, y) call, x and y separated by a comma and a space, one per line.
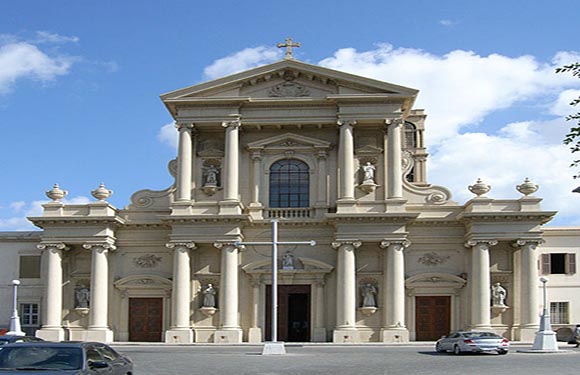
point(9, 339)
point(47, 358)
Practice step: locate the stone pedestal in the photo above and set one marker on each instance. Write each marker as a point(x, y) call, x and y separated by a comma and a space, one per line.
point(345, 336)
point(319, 335)
point(99, 335)
point(179, 336)
point(394, 335)
point(274, 348)
point(229, 336)
point(255, 335)
point(51, 334)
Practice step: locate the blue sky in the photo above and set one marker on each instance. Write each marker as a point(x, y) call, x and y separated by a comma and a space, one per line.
point(80, 84)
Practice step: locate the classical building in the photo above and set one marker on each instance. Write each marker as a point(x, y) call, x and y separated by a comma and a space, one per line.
point(335, 158)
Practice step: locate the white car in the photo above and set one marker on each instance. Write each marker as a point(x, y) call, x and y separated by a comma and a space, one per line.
point(472, 342)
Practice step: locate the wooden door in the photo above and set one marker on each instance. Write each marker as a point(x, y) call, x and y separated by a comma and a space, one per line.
point(145, 319)
point(432, 317)
point(293, 313)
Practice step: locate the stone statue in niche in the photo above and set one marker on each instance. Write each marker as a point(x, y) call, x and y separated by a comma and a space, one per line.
point(209, 294)
point(211, 177)
point(498, 295)
point(369, 291)
point(288, 261)
point(82, 297)
point(369, 173)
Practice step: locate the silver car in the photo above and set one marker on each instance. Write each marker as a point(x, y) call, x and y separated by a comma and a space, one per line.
point(469, 341)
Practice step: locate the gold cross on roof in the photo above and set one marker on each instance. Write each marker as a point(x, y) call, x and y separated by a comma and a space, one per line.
point(288, 44)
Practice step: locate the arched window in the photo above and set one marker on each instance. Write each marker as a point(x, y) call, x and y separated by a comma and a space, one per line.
point(289, 184)
point(410, 135)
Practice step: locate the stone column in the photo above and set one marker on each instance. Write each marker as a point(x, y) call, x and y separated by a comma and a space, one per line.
point(229, 331)
point(480, 283)
point(231, 202)
point(180, 331)
point(529, 289)
point(394, 329)
point(255, 208)
point(345, 330)
point(184, 162)
point(386, 163)
point(52, 327)
point(395, 175)
point(346, 156)
point(98, 329)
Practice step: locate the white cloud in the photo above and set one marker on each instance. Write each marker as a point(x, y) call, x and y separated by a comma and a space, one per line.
point(446, 23)
point(22, 60)
point(242, 60)
point(561, 106)
point(22, 210)
point(458, 89)
point(47, 37)
point(168, 135)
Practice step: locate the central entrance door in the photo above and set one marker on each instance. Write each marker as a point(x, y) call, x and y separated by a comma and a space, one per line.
point(432, 317)
point(293, 313)
point(145, 319)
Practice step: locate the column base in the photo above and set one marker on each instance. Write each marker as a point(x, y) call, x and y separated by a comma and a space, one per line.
point(181, 208)
point(256, 211)
point(344, 336)
point(99, 334)
point(394, 335)
point(227, 336)
point(230, 208)
point(255, 335)
point(179, 336)
point(51, 334)
point(319, 335)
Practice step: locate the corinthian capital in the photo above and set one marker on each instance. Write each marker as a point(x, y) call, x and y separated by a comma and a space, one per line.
point(487, 243)
point(398, 244)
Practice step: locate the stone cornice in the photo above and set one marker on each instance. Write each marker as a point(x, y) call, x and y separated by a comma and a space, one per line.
point(205, 219)
point(542, 216)
point(40, 221)
point(365, 217)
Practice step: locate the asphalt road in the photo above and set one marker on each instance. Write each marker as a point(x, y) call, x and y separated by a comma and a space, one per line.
point(341, 360)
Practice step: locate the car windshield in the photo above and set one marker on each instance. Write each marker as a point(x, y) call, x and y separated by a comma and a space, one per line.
point(481, 335)
point(40, 357)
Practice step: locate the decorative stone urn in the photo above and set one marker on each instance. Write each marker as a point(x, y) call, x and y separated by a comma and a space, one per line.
point(56, 193)
point(101, 193)
point(479, 188)
point(527, 188)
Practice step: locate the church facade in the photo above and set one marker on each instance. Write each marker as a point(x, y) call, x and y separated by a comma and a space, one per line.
point(332, 157)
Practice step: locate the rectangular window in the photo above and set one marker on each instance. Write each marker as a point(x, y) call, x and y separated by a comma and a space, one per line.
point(29, 267)
point(29, 317)
point(559, 313)
point(558, 263)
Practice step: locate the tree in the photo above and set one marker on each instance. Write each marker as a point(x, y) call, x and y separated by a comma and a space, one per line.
point(573, 138)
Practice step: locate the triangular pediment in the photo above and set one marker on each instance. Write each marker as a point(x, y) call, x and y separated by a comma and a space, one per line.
point(289, 141)
point(287, 78)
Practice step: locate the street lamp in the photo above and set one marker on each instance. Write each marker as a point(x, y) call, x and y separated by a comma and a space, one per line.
point(15, 319)
point(545, 340)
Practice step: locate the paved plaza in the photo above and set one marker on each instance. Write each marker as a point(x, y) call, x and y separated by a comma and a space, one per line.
point(341, 360)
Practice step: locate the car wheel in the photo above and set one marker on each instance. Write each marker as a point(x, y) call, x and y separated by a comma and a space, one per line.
point(502, 352)
point(438, 348)
point(456, 350)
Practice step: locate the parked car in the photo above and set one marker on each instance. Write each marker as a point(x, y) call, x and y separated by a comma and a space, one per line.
point(468, 341)
point(47, 358)
point(9, 339)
